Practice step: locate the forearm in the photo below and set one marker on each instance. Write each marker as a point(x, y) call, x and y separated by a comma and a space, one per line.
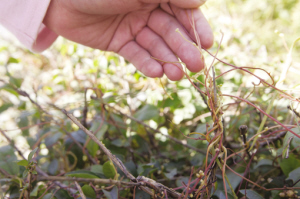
point(24, 19)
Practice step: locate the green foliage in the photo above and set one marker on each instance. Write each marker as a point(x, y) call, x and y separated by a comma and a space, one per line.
point(113, 194)
point(289, 164)
point(23, 163)
point(82, 174)
point(8, 160)
point(88, 191)
point(147, 112)
point(78, 79)
point(31, 154)
point(251, 194)
point(109, 170)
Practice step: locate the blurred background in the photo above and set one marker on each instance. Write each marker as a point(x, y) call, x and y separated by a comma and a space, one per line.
point(256, 34)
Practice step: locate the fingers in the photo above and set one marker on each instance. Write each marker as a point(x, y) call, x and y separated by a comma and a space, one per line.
point(165, 25)
point(141, 59)
point(179, 3)
point(155, 45)
point(201, 24)
point(150, 44)
point(187, 3)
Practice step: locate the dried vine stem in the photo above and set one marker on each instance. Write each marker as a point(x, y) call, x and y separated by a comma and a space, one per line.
point(146, 182)
point(272, 118)
point(284, 94)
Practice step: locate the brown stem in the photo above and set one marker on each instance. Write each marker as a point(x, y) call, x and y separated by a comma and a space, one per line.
point(80, 190)
point(90, 180)
point(150, 183)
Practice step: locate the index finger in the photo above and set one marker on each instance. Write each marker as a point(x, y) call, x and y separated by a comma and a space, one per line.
point(165, 25)
point(202, 26)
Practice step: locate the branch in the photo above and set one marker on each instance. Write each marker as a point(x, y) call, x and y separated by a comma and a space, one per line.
point(112, 157)
point(80, 190)
point(91, 180)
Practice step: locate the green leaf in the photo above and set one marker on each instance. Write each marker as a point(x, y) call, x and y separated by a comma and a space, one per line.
point(88, 191)
point(147, 112)
point(9, 89)
point(113, 194)
point(92, 147)
point(119, 121)
point(221, 195)
point(100, 133)
point(8, 160)
point(250, 194)
point(82, 174)
point(131, 167)
point(109, 169)
point(120, 142)
point(146, 169)
point(62, 194)
point(295, 141)
point(289, 164)
point(173, 104)
point(263, 162)
point(53, 166)
point(233, 179)
point(5, 106)
point(34, 192)
point(23, 163)
point(51, 140)
point(197, 159)
point(16, 81)
point(48, 196)
point(97, 168)
point(2, 48)
point(32, 153)
point(109, 99)
point(25, 173)
point(295, 175)
point(13, 60)
point(182, 180)
point(139, 194)
point(23, 122)
point(79, 136)
point(171, 174)
point(201, 128)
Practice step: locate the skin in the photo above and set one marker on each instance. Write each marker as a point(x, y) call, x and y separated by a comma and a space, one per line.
point(135, 29)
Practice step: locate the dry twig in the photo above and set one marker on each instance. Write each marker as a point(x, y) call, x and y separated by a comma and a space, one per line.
point(149, 183)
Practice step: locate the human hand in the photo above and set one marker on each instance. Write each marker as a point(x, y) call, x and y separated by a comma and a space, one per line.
point(135, 29)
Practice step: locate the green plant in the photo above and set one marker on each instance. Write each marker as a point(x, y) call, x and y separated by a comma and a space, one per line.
point(191, 139)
